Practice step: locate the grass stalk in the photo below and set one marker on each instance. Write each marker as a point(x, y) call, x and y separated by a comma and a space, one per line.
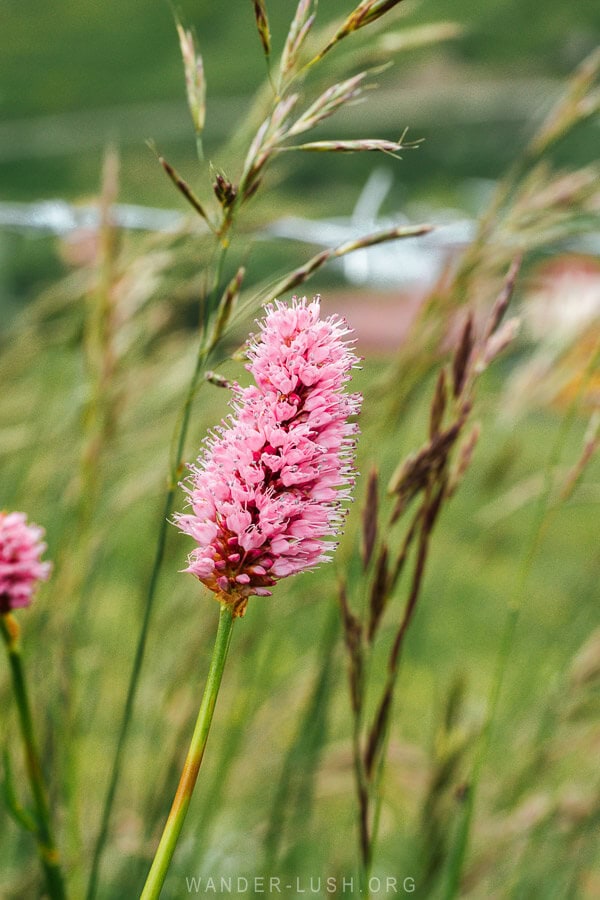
point(180, 435)
point(363, 798)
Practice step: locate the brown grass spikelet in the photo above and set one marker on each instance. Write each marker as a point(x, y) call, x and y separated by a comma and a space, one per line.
point(301, 274)
point(462, 356)
point(379, 592)
point(224, 190)
point(414, 474)
point(184, 189)
point(353, 636)
point(438, 405)
point(252, 189)
point(369, 520)
point(497, 336)
point(504, 297)
point(262, 25)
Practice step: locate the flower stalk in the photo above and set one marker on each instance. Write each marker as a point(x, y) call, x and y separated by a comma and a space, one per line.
point(47, 850)
point(189, 775)
point(267, 493)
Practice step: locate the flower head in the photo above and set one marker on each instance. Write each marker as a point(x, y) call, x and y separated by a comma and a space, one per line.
point(21, 566)
point(267, 492)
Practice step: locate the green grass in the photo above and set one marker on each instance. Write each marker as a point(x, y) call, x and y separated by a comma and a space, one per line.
point(277, 652)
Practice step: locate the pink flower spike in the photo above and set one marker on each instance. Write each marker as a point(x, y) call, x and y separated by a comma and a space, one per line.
point(21, 566)
point(267, 493)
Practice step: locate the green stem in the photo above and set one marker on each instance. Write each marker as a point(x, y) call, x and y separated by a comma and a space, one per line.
point(377, 791)
point(46, 845)
point(129, 702)
point(189, 775)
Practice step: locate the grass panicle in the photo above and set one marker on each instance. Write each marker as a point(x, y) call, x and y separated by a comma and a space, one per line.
point(430, 476)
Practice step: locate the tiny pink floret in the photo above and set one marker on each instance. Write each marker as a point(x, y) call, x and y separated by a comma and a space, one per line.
point(21, 566)
point(267, 493)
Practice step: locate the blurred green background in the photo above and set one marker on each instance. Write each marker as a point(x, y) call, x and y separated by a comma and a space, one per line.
point(76, 76)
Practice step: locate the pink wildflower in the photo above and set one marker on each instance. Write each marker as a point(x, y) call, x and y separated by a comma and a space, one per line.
point(21, 566)
point(267, 492)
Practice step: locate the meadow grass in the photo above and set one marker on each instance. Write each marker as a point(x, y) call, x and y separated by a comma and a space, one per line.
point(276, 655)
point(92, 425)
